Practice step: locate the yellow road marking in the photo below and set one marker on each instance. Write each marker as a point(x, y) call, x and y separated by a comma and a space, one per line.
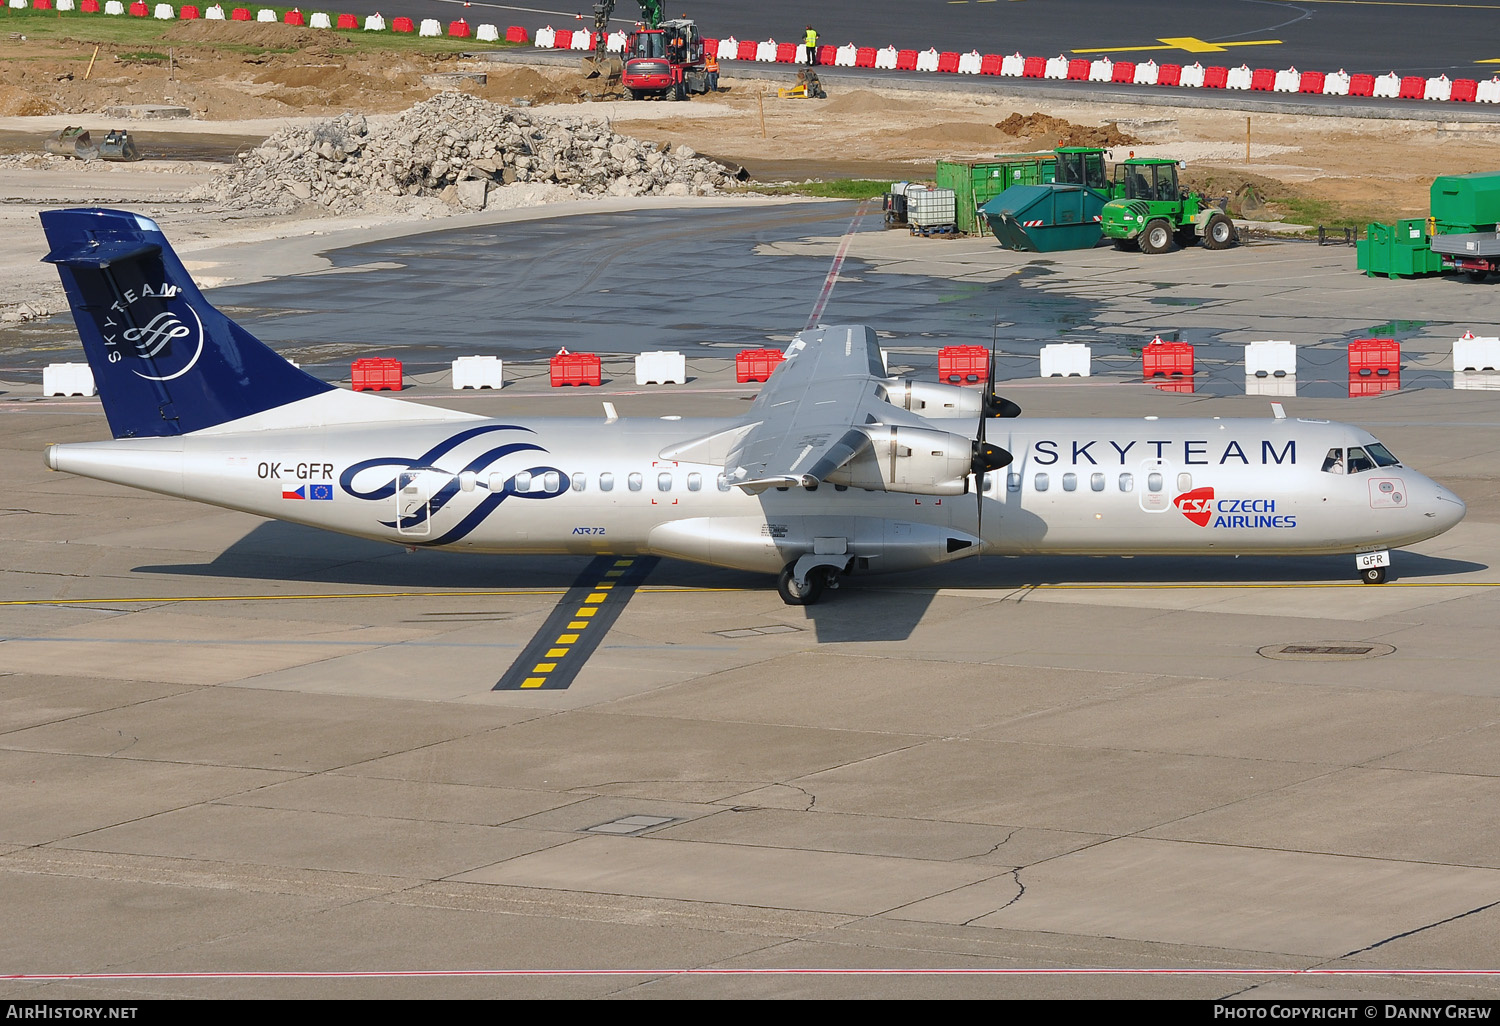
point(556, 653)
point(594, 599)
point(544, 668)
point(1191, 44)
point(578, 625)
point(566, 639)
point(533, 682)
point(586, 611)
point(614, 573)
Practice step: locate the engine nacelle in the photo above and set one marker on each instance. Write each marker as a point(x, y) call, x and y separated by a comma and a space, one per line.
point(931, 399)
point(924, 461)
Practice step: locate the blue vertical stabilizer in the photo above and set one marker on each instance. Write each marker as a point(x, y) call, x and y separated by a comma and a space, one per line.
point(165, 361)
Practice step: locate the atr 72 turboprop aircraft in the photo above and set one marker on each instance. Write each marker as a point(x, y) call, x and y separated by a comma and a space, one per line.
point(836, 468)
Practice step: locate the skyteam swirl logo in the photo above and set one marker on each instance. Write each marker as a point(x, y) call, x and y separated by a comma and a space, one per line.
point(381, 478)
point(155, 337)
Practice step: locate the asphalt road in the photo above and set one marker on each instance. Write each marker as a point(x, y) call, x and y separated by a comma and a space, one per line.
point(1425, 37)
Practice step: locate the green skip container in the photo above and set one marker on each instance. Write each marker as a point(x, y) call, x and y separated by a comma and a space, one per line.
point(1045, 218)
point(1397, 251)
point(976, 182)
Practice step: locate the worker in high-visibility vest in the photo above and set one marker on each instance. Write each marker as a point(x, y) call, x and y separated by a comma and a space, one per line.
point(711, 69)
point(812, 45)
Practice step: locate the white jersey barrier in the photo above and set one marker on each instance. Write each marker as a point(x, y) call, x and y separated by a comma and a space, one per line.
point(1145, 74)
point(1439, 88)
point(1489, 91)
point(846, 55)
point(1270, 359)
point(1013, 66)
point(927, 60)
point(1065, 359)
point(1192, 76)
point(1239, 78)
point(886, 59)
point(1472, 353)
point(728, 49)
point(616, 43)
point(543, 40)
point(214, 13)
point(162, 12)
point(430, 27)
point(1288, 80)
point(113, 7)
point(765, 51)
point(1057, 67)
point(487, 33)
point(478, 372)
point(265, 14)
point(1102, 70)
point(67, 379)
point(970, 63)
point(1388, 86)
point(1336, 84)
point(661, 368)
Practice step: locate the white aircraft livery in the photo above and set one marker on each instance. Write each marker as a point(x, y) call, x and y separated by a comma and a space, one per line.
point(835, 469)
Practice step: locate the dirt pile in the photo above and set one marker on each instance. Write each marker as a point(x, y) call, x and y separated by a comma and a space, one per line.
point(453, 148)
point(1046, 131)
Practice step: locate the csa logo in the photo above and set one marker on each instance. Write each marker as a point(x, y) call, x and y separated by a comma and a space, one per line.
point(1197, 505)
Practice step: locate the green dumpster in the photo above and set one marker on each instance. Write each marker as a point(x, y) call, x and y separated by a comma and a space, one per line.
point(1045, 218)
point(1467, 203)
point(975, 182)
point(1397, 251)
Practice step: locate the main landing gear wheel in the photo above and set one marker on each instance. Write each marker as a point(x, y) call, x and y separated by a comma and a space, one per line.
point(1219, 233)
point(1373, 575)
point(1156, 237)
point(791, 594)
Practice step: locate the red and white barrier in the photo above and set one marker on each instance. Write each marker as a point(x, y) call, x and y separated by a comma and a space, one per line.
point(1145, 74)
point(728, 49)
point(430, 27)
point(544, 38)
point(1065, 359)
point(1102, 70)
point(114, 7)
point(1388, 86)
point(1288, 80)
point(1472, 353)
point(927, 60)
point(487, 33)
point(845, 55)
point(478, 372)
point(886, 59)
point(1439, 88)
point(616, 43)
point(1271, 359)
point(661, 368)
point(1239, 78)
point(970, 63)
point(1057, 67)
point(67, 379)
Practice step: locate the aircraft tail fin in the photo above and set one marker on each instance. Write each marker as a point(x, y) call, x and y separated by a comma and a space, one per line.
point(164, 360)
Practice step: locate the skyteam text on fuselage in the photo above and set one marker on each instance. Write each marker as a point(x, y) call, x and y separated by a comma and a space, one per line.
point(835, 469)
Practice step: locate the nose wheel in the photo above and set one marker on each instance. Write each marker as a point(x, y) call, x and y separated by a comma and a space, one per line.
point(1373, 575)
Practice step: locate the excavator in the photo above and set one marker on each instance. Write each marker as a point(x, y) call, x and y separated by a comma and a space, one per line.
point(663, 58)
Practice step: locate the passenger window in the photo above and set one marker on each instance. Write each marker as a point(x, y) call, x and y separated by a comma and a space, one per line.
point(695, 482)
point(1096, 482)
point(606, 482)
point(466, 480)
point(1184, 482)
point(1070, 482)
point(1013, 482)
point(1153, 482)
point(1127, 482)
point(1042, 482)
point(723, 483)
point(580, 482)
point(634, 482)
point(1358, 461)
point(552, 482)
point(1333, 463)
point(523, 482)
point(497, 482)
point(664, 482)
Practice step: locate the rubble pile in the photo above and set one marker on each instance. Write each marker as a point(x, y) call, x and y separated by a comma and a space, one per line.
point(455, 148)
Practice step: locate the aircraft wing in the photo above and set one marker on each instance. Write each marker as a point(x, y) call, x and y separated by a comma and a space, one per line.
point(806, 422)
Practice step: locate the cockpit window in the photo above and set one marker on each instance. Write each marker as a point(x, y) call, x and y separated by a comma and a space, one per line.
point(1381, 455)
point(1359, 462)
point(1333, 463)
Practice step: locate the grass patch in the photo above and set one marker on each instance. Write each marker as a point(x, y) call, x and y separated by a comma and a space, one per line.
point(141, 57)
point(838, 188)
point(1330, 214)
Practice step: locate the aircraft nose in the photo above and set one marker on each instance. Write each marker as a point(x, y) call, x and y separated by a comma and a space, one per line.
point(1445, 507)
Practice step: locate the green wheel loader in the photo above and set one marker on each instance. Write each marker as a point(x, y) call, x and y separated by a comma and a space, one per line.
point(1154, 214)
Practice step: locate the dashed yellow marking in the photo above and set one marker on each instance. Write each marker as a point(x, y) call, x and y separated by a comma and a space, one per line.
point(533, 682)
point(566, 639)
point(624, 562)
point(544, 668)
point(577, 625)
point(586, 611)
point(615, 573)
point(596, 598)
point(556, 653)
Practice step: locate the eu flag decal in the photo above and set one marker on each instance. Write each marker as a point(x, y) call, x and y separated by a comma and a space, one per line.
point(323, 492)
